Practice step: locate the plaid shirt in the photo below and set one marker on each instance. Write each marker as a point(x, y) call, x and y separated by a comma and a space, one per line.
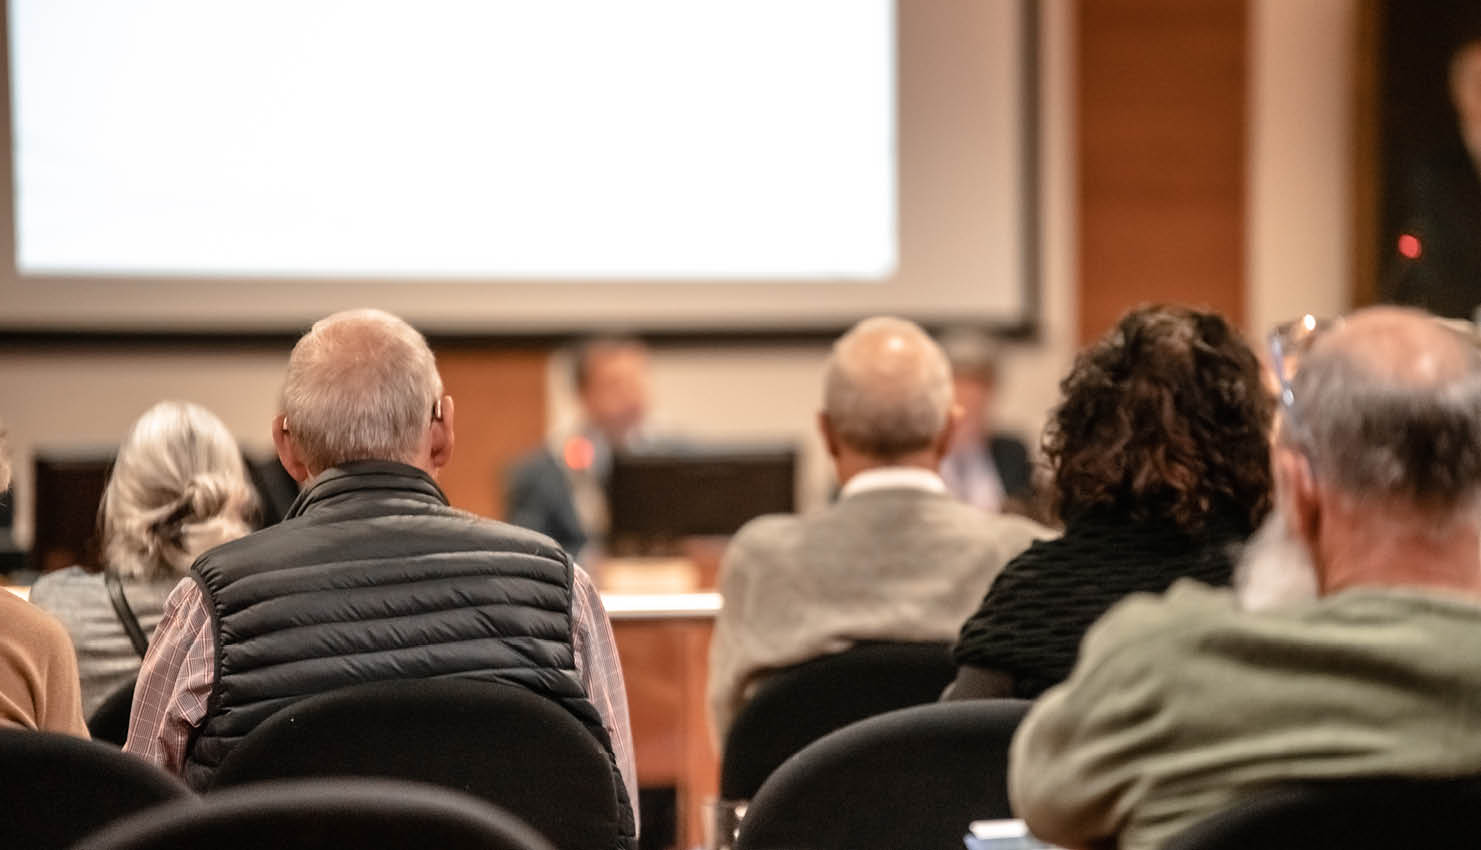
point(178, 672)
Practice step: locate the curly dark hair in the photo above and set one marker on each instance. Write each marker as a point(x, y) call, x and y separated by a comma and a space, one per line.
point(1165, 417)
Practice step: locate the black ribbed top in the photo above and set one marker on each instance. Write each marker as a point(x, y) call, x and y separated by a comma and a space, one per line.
point(1030, 624)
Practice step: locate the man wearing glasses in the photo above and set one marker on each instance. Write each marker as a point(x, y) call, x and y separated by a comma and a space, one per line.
point(1351, 646)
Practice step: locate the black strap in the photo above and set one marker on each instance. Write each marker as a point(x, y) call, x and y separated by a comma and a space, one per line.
point(125, 614)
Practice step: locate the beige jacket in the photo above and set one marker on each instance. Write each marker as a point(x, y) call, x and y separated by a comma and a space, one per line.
point(1181, 705)
point(38, 671)
point(897, 564)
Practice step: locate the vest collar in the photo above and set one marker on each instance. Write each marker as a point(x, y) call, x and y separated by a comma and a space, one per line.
point(365, 475)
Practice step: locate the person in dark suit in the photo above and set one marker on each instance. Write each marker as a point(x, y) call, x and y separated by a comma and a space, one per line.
point(1436, 257)
point(989, 470)
point(560, 489)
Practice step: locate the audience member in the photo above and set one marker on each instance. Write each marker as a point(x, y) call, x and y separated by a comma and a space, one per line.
point(38, 671)
point(897, 558)
point(365, 424)
point(560, 490)
point(1349, 647)
point(177, 488)
point(1160, 454)
point(984, 468)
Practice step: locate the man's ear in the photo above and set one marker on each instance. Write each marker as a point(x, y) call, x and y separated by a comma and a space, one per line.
point(287, 452)
point(954, 417)
point(440, 437)
point(1302, 502)
point(830, 439)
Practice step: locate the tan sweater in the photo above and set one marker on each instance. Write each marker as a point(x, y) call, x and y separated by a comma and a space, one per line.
point(885, 565)
point(38, 671)
point(1181, 705)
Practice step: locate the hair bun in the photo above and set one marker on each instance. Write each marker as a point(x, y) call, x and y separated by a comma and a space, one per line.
point(204, 497)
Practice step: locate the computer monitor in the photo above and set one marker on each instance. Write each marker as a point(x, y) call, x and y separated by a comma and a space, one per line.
point(68, 487)
point(654, 497)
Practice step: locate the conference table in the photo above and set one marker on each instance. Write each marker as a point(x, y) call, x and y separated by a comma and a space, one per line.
point(664, 640)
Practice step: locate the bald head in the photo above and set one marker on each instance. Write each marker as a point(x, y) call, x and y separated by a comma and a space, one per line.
point(1388, 405)
point(361, 385)
point(887, 390)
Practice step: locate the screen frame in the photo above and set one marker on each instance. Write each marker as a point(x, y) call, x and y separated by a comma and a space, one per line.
point(151, 310)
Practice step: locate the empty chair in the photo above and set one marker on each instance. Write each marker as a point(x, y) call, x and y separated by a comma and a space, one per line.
point(798, 705)
point(109, 722)
point(499, 742)
point(59, 788)
point(318, 814)
point(912, 779)
point(1358, 814)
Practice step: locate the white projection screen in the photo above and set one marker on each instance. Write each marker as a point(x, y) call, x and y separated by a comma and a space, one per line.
point(488, 166)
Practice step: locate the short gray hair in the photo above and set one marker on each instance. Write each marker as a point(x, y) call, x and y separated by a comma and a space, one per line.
point(887, 389)
point(972, 354)
point(178, 488)
point(361, 385)
point(1376, 435)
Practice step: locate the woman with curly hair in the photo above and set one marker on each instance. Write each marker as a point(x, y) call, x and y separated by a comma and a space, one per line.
point(1160, 454)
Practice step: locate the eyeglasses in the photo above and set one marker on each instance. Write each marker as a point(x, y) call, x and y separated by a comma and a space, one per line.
point(1289, 343)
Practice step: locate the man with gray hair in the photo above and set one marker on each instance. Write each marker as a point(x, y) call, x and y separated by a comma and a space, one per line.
point(365, 426)
point(1349, 647)
point(895, 559)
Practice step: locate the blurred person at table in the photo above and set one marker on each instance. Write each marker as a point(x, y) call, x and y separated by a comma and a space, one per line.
point(38, 670)
point(177, 488)
point(1348, 647)
point(560, 489)
point(1161, 468)
point(896, 558)
point(984, 468)
point(300, 608)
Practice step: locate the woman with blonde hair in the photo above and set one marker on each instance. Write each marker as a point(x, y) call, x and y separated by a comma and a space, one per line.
point(178, 487)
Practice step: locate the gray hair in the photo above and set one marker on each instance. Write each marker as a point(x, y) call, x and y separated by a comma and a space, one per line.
point(971, 353)
point(1373, 429)
point(178, 488)
point(887, 389)
point(361, 385)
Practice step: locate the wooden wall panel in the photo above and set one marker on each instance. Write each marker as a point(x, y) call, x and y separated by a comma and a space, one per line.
point(1161, 124)
point(499, 399)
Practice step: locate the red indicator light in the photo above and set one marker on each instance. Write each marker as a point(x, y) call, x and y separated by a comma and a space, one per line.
point(1409, 246)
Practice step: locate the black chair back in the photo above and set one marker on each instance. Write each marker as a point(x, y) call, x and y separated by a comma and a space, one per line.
point(59, 788)
point(1358, 814)
point(498, 742)
point(317, 814)
point(798, 705)
point(109, 722)
point(912, 779)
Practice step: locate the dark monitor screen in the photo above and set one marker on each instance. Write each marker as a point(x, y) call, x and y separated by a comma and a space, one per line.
point(69, 486)
point(658, 496)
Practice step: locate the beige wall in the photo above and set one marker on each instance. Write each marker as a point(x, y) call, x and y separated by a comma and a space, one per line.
point(1299, 250)
point(1299, 253)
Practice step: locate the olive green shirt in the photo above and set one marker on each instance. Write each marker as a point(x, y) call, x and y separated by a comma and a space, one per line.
point(1179, 705)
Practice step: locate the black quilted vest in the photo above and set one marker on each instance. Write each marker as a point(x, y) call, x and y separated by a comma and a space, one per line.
point(372, 576)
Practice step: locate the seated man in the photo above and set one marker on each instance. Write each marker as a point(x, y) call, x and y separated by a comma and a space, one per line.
point(365, 425)
point(895, 559)
point(1349, 649)
point(560, 490)
point(983, 467)
point(39, 688)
